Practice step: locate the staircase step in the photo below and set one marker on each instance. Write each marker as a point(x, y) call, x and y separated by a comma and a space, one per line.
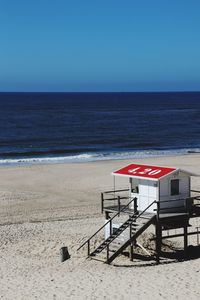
point(115, 248)
point(106, 243)
point(116, 242)
point(145, 217)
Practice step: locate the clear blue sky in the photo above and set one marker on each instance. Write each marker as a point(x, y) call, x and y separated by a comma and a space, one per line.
point(107, 45)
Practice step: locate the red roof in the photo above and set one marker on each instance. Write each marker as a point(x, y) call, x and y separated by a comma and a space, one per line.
point(144, 171)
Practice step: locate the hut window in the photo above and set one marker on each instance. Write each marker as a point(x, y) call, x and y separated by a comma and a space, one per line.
point(174, 187)
point(135, 189)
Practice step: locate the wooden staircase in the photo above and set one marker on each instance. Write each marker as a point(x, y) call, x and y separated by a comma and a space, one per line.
point(114, 245)
point(133, 238)
point(115, 235)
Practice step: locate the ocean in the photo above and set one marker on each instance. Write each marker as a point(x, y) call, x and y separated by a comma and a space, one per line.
point(78, 127)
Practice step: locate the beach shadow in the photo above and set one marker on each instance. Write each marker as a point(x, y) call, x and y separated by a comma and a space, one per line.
point(166, 257)
point(192, 252)
point(144, 265)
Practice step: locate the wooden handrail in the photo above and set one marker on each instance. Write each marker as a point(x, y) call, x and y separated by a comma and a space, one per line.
point(187, 205)
point(168, 208)
point(194, 191)
point(159, 209)
point(110, 199)
point(194, 198)
point(116, 191)
point(113, 198)
point(174, 200)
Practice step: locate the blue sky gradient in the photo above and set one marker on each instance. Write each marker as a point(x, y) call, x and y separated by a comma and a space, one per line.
point(107, 45)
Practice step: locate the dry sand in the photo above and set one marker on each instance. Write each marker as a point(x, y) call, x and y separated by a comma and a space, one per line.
point(45, 207)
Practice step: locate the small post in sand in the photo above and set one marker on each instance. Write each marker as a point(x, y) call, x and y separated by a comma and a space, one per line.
point(64, 254)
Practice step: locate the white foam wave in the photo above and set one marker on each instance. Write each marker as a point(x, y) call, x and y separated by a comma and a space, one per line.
point(86, 157)
point(44, 159)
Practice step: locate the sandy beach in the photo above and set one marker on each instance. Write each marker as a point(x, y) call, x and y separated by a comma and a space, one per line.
point(45, 207)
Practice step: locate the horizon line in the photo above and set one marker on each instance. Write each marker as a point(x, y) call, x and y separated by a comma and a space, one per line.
point(99, 92)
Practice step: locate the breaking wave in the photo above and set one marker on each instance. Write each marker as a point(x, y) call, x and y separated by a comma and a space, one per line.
point(95, 156)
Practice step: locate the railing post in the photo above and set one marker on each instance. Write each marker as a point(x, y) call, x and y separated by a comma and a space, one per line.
point(131, 245)
point(102, 203)
point(107, 254)
point(158, 209)
point(135, 205)
point(118, 201)
point(158, 241)
point(88, 247)
point(197, 235)
point(185, 240)
point(188, 204)
point(110, 227)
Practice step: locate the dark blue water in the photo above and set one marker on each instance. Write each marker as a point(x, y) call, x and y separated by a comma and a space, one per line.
point(91, 126)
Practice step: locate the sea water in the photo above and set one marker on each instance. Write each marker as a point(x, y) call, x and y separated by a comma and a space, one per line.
point(78, 127)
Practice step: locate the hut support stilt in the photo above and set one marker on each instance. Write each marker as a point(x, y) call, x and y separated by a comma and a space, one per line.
point(185, 228)
point(131, 252)
point(158, 241)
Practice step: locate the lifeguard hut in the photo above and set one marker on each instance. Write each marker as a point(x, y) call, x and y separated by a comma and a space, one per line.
point(159, 196)
point(168, 186)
